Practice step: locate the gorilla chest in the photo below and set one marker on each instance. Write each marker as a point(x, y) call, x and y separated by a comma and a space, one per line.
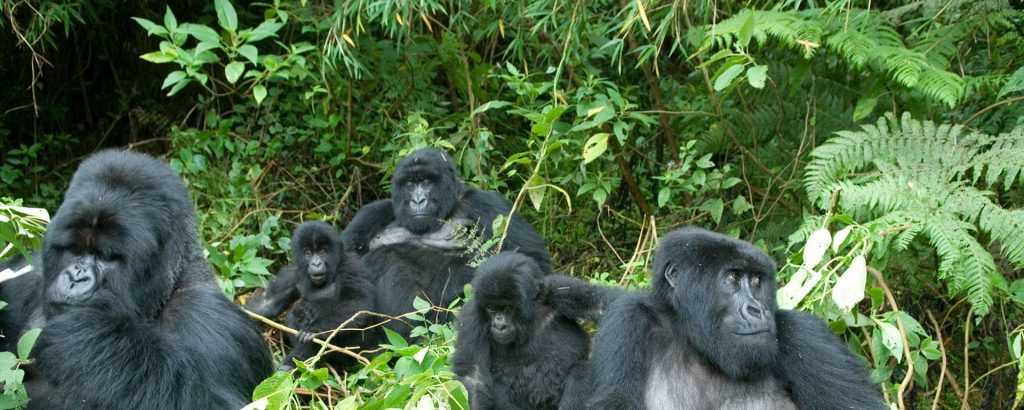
point(678, 380)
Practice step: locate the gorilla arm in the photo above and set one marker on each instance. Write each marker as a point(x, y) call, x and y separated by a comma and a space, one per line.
point(819, 368)
point(622, 355)
point(484, 206)
point(282, 291)
point(370, 220)
point(575, 298)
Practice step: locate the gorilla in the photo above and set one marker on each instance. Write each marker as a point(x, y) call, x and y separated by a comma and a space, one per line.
point(331, 286)
point(410, 241)
point(131, 314)
point(708, 335)
point(512, 352)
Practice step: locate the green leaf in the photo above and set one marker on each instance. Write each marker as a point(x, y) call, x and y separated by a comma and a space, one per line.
point(26, 342)
point(234, 70)
point(664, 194)
point(864, 108)
point(178, 87)
point(892, 340)
point(275, 389)
point(173, 78)
point(714, 207)
point(725, 79)
point(159, 57)
point(1016, 83)
point(757, 75)
point(250, 53)
point(535, 190)
point(266, 29)
point(169, 21)
point(740, 205)
point(594, 147)
point(259, 92)
point(226, 16)
point(201, 33)
point(151, 27)
point(746, 31)
point(490, 105)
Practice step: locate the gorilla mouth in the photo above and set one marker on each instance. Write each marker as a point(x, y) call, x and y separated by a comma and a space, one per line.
point(503, 338)
point(752, 332)
point(317, 277)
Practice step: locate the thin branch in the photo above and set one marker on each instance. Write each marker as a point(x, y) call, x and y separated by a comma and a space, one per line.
point(942, 349)
point(909, 377)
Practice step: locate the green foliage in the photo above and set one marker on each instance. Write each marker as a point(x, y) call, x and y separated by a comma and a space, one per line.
point(21, 228)
point(934, 179)
point(12, 375)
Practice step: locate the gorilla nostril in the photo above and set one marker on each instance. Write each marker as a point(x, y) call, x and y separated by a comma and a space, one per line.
point(753, 311)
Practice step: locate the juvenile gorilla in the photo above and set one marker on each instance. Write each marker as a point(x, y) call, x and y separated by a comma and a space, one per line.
point(331, 286)
point(708, 336)
point(133, 316)
point(408, 241)
point(513, 353)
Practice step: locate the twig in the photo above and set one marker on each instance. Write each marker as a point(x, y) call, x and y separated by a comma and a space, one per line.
point(994, 105)
point(967, 362)
point(322, 343)
point(942, 349)
point(909, 377)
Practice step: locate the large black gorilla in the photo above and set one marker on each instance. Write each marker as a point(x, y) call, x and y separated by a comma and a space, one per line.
point(708, 336)
point(331, 286)
point(131, 314)
point(407, 241)
point(513, 352)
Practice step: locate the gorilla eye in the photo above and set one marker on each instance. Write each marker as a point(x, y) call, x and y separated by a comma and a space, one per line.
point(734, 277)
point(322, 251)
point(756, 281)
point(307, 252)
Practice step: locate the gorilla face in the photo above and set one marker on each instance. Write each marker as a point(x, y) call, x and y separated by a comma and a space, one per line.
point(505, 289)
point(117, 238)
point(723, 292)
point(503, 325)
point(316, 248)
point(424, 190)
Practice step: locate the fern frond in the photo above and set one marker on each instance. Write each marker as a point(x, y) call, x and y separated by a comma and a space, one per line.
point(934, 178)
point(852, 45)
point(941, 85)
point(902, 64)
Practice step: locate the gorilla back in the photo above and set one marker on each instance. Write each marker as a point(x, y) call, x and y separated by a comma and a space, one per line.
point(133, 317)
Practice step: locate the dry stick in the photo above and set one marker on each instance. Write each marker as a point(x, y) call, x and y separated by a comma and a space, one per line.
point(322, 343)
point(967, 363)
point(942, 349)
point(903, 335)
point(994, 105)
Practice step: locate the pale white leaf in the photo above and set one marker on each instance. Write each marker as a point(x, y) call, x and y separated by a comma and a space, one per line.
point(837, 241)
point(815, 247)
point(849, 289)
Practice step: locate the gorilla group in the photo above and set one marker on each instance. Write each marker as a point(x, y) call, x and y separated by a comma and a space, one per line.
point(410, 242)
point(130, 311)
point(331, 286)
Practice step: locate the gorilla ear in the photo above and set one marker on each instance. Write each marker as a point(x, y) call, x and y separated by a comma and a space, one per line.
point(671, 274)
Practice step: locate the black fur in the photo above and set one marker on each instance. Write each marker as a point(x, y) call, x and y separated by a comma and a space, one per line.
point(680, 344)
point(322, 306)
point(134, 318)
point(512, 352)
point(415, 255)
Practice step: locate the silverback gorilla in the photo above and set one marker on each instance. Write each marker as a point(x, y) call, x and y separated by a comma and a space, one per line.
point(331, 286)
point(513, 352)
point(407, 240)
point(132, 315)
point(708, 336)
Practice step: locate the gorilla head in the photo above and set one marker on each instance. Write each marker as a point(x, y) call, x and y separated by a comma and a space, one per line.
point(316, 251)
point(110, 241)
point(424, 190)
point(723, 293)
point(504, 290)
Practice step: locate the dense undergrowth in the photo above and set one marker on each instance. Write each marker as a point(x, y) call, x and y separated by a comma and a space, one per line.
point(874, 149)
